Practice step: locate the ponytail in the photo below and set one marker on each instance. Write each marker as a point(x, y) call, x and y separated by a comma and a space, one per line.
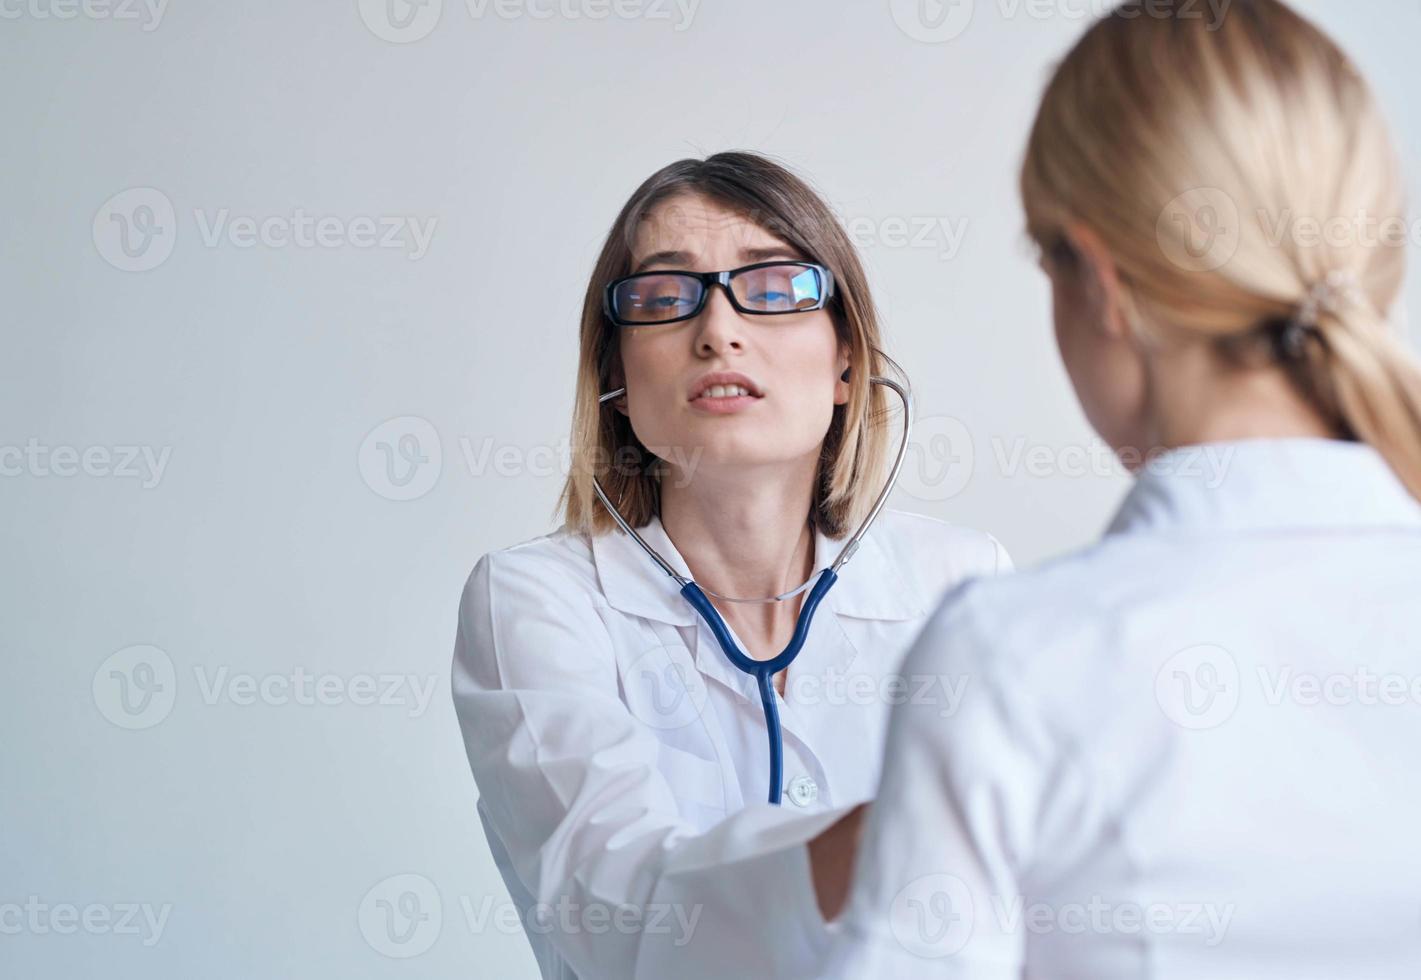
point(1376, 382)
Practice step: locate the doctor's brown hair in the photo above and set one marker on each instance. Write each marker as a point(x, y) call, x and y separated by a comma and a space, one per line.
point(1158, 132)
point(852, 462)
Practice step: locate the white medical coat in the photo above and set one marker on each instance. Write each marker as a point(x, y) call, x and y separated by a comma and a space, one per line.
point(622, 760)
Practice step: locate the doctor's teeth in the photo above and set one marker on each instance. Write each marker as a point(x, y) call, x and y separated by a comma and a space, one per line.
point(724, 391)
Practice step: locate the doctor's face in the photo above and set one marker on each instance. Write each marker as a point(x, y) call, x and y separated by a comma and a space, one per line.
point(724, 389)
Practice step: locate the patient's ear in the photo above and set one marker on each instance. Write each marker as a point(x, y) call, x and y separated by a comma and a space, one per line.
point(1098, 281)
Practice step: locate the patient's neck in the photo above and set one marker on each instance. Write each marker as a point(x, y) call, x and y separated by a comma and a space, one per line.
point(1195, 397)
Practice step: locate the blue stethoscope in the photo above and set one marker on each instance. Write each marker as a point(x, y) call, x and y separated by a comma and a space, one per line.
point(764, 670)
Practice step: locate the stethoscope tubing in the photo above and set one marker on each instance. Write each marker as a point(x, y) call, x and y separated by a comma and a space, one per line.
point(763, 671)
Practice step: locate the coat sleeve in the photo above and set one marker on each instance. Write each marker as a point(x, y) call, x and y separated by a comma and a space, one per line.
point(1001, 561)
point(568, 782)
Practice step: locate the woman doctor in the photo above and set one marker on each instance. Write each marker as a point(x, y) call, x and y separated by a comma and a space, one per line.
point(1190, 751)
point(621, 759)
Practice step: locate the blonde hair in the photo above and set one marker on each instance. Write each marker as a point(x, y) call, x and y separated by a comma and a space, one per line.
point(1160, 133)
point(853, 458)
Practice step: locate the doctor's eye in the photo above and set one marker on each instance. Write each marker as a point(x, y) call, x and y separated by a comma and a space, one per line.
point(657, 298)
point(779, 288)
point(768, 296)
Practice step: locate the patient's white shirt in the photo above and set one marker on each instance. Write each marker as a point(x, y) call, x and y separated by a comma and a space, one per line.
point(1191, 751)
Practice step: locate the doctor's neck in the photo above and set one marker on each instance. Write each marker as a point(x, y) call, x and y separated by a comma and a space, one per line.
point(744, 531)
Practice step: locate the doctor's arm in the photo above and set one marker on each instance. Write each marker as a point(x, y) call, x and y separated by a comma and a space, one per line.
point(833, 852)
point(831, 861)
point(954, 829)
point(568, 782)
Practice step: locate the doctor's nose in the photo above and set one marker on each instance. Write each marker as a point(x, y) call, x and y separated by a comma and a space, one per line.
point(720, 327)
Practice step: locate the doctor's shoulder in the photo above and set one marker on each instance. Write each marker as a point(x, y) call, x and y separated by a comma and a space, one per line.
point(938, 555)
point(559, 561)
point(537, 593)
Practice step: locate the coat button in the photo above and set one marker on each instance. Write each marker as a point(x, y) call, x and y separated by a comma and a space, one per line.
point(803, 791)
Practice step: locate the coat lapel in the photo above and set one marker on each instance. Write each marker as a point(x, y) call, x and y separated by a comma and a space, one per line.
point(870, 587)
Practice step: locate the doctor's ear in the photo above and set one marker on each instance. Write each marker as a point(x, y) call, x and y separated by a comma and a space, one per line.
point(841, 387)
point(617, 380)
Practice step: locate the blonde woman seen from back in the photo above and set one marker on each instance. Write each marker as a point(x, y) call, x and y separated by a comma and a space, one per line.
point(1190, 750)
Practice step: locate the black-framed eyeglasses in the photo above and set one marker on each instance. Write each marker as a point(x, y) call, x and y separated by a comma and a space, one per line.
point(762, 289)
